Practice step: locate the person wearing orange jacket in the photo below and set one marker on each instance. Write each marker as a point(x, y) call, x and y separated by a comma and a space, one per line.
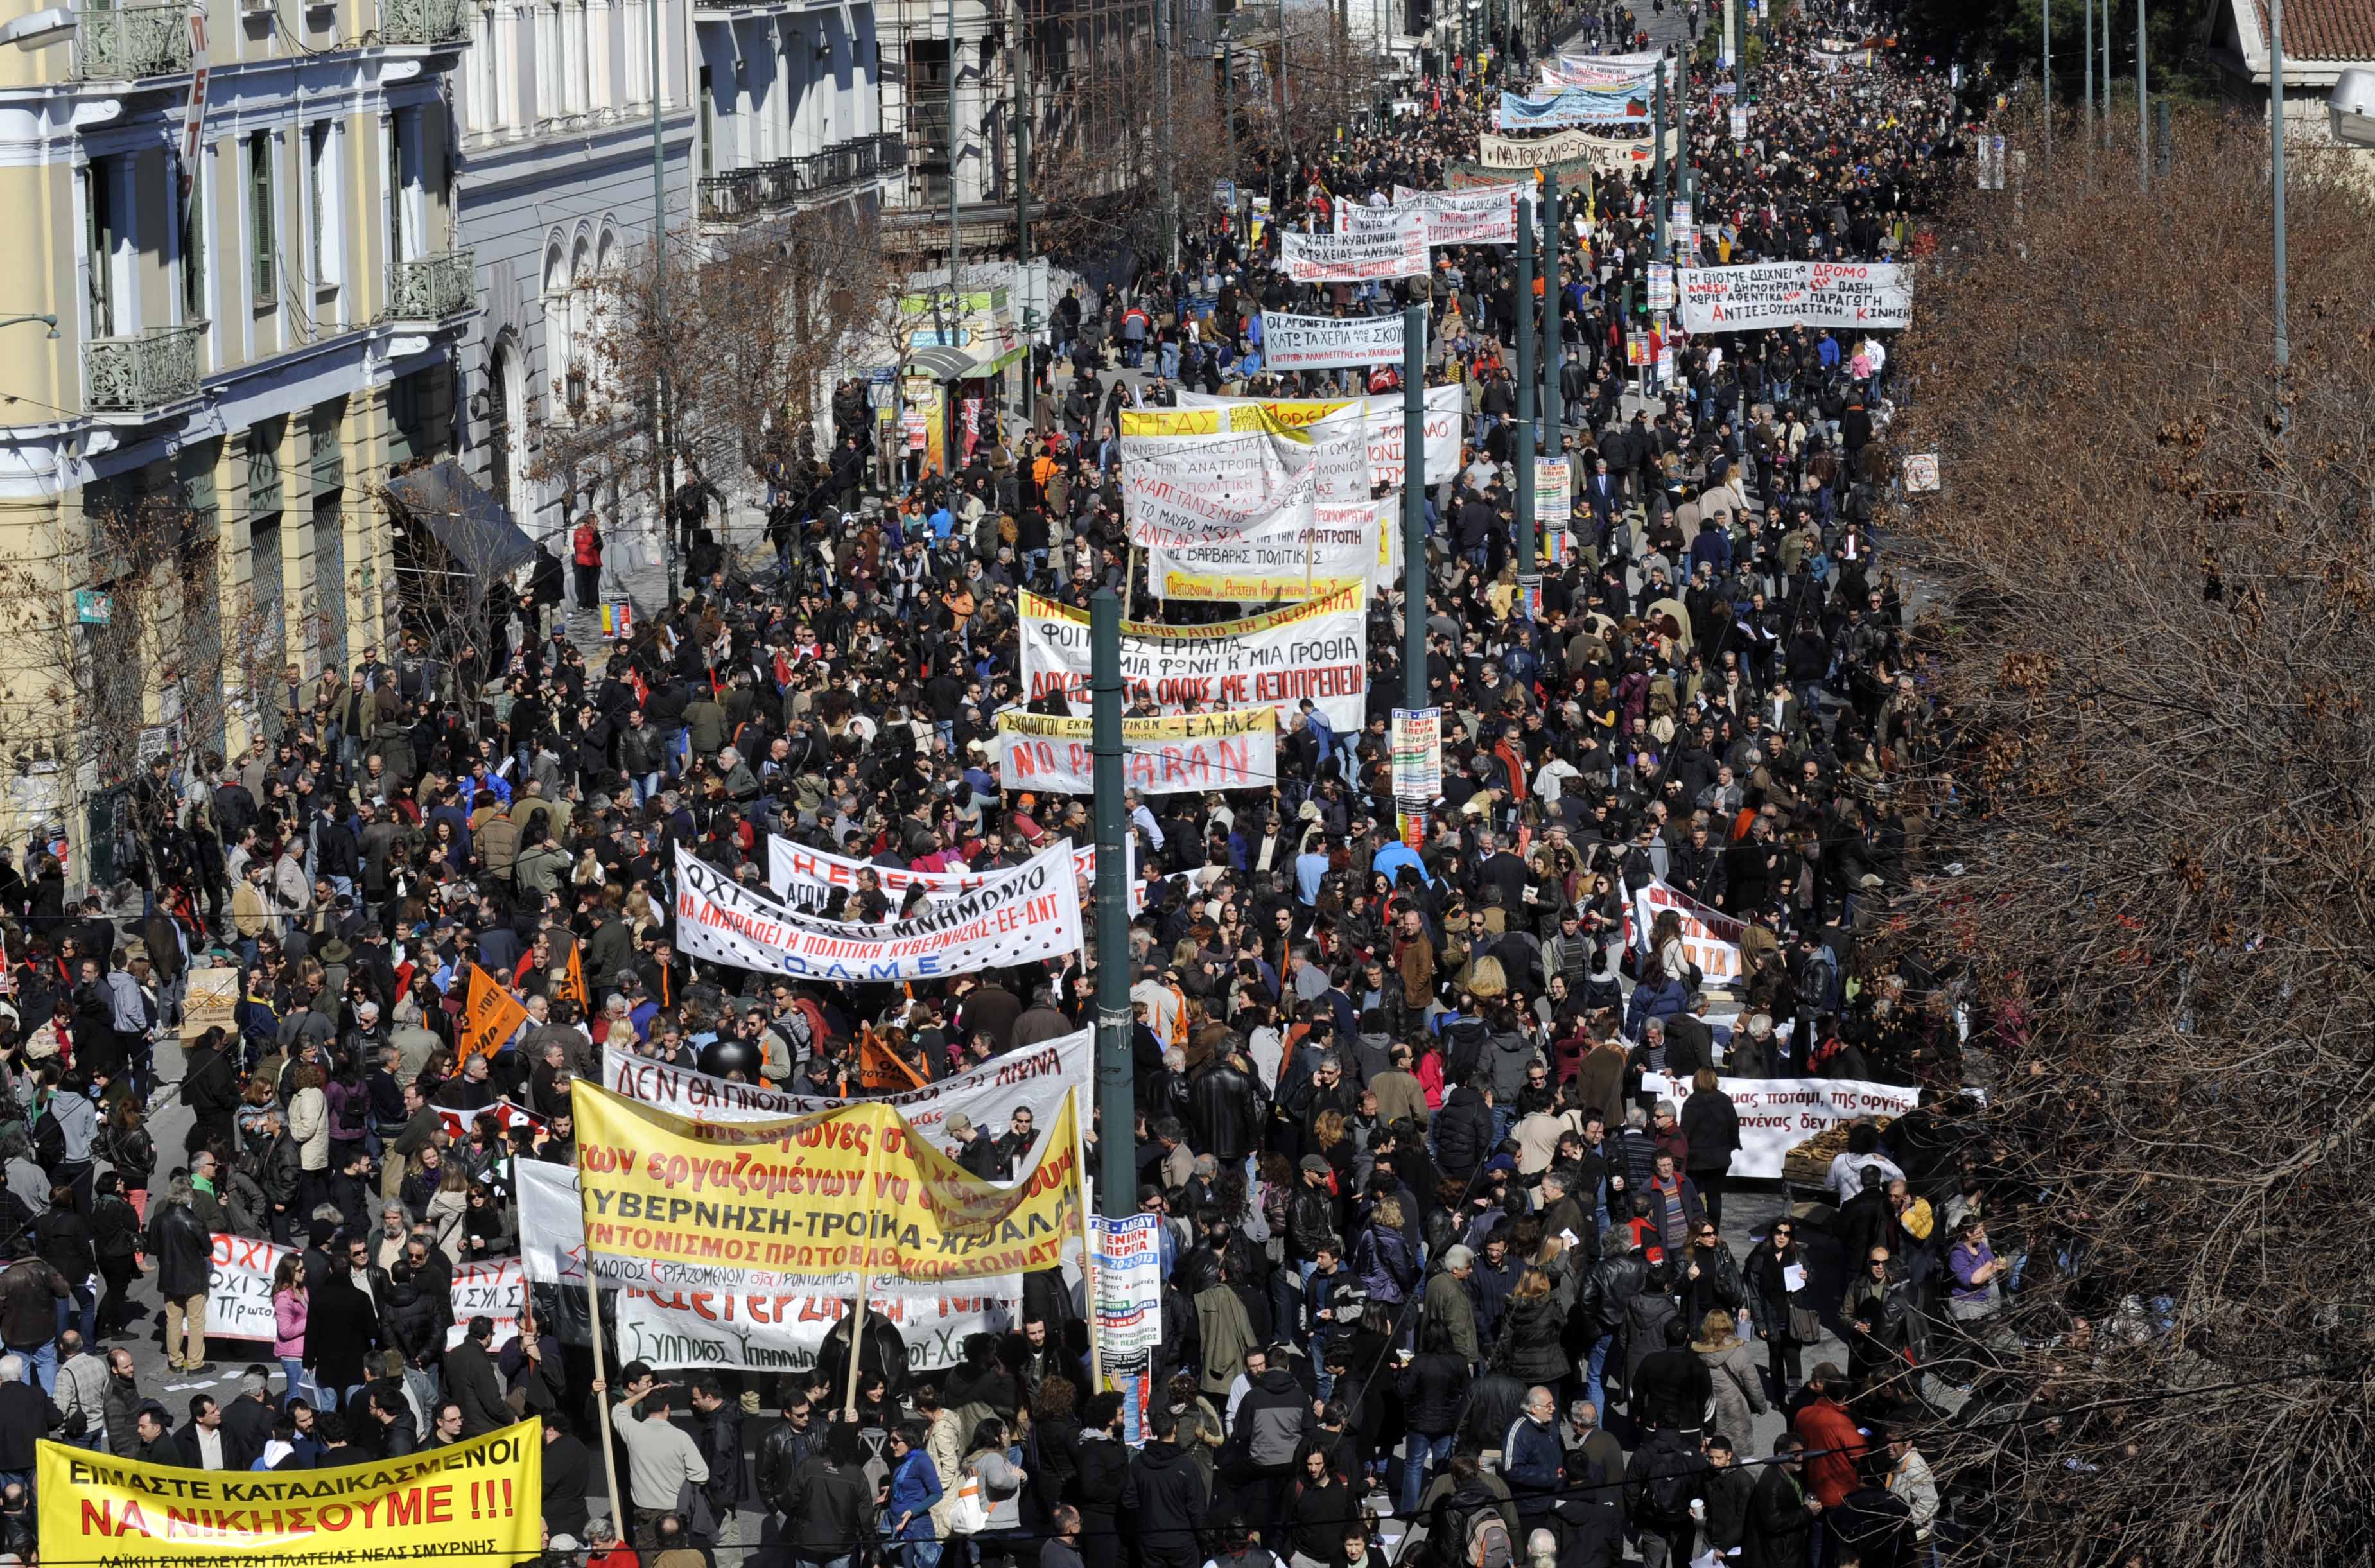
point(586, 556)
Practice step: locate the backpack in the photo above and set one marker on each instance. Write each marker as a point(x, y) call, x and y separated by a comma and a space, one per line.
point(1668, 1489)
point(1488, 1540)
point(1463, 1049)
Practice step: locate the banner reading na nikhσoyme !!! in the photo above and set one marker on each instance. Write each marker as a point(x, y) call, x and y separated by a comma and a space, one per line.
point(477, 1505)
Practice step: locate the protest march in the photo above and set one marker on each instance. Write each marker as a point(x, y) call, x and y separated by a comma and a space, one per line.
point(661, 1107)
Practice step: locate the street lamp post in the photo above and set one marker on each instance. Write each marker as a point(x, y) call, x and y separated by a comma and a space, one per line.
point(2277, 171)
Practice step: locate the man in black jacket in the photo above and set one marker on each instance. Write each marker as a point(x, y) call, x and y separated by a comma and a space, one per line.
point(787, 1446)
point(210, 1089)
point(1780, 1514)
point(247, 1419)
point(471, 1381)
point(1165, 1493)
point(568, 1470)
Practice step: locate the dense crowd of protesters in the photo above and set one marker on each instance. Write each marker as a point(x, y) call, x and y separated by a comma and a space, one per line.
point(1433, 1255)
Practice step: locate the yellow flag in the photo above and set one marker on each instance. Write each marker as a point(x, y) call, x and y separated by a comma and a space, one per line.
point(490, 1014)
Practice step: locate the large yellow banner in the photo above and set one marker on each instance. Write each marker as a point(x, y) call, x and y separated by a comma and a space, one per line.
point(828, 1204)
point(479, 1502)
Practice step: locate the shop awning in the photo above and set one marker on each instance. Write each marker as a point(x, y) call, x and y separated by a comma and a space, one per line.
point(476, 529)
point(942, 363)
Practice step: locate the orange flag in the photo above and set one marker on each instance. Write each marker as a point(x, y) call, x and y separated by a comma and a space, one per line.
point(571, 986)
point(490, 1014)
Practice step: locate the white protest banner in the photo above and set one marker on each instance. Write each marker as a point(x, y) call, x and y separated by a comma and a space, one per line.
point(1126, 1255)
point(1027, 916)
point(1229, 469)
point(1169, 754)
point(1554, 490)
point(1327, 343)
point(1710, 938)
point(1779, 1113)
point(1758, 294)
point(495, 1287)
point(803, 877)
point(239, 1288)
point(1031, 1079)
point(763, 1331)
point(1298, 559)
point(1604, 72)
point(1417, 754)
point(1317, 650)
point(1395, 249)
point(1160, 514)
point(1610, 154)
point(552, 1224)
point(1384, 422)
point(1576, 106)
point(1475, 215)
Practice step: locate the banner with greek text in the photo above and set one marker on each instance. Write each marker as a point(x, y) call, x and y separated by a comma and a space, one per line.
point(1574, 106)
point(1227, 469)
point(1478, 214)
point(1394, 249)
point(1710, 937)
point(1031, 1079)
point(1170, 754)
point(1329, 343)
point(803, 877)
point(1344, 548)
point(239, 1287)
point(478, 1504)
point(1757, 294)
point(1570, 152)
point(809, 1205)
point(1159, 514)
point(1029, 914)
point(1417, 754)
point(1383, 422)
point(1779, 1113)
point(1317, 650)
point(757, 1331)
point(494, 1288)
point(1553, 491)
point(1129, 1292)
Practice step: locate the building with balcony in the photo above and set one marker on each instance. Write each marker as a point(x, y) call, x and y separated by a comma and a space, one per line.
point(238, 219)
point(1086, 92)
point(765, 109)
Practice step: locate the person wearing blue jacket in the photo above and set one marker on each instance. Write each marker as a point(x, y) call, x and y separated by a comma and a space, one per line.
point(915, 1489)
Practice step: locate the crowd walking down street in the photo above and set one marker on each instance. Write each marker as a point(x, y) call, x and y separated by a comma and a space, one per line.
point(1470, 1251)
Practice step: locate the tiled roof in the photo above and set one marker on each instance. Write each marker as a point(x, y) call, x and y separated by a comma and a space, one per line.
point(2324, 29)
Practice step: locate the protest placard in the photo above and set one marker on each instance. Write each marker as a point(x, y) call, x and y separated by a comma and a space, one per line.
point(1327, 343)
point(1396, 248)
point(831, 1204)
point(1874, 295)
point(1777, 1114)
point(239, 1287)
point(1318, 650)
point(1168, 754)
point(1574, 106)
point(1031, 913)
point(478, 1501)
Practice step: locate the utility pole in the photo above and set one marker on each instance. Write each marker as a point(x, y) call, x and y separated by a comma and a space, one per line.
point(2087, 75)
point(1552, 404)
point(1414, 507)
point(2048, 6)
point(1023, 185)
point(2106, 73)
point(1229, 98)
point(956, 256)
point(2143, 126)
point(1116, 1165)
point(659, 299)
point(1163, 33)
point(2276, 169)
point(1528, 572)
point(1658, 159)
